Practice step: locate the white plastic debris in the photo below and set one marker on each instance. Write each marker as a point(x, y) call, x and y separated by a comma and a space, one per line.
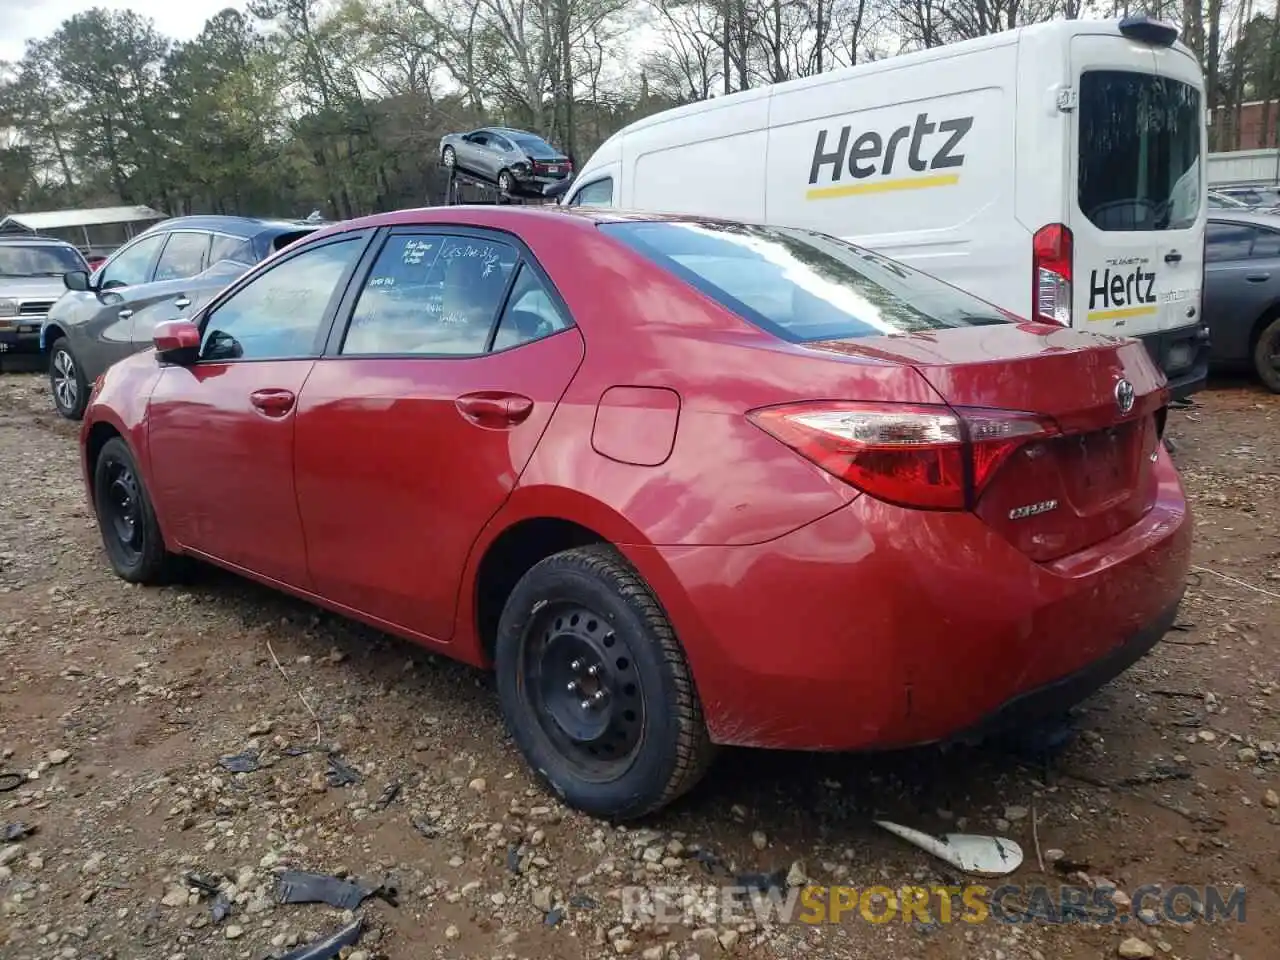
point(972, 853)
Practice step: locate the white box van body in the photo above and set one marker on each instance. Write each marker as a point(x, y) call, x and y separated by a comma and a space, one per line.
point(1057, 171)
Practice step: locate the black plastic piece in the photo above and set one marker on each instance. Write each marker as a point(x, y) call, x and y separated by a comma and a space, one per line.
point(330, 947)
point(1144, 29)
point(297, 886)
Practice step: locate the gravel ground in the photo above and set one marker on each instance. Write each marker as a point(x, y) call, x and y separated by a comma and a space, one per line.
point(117, 703)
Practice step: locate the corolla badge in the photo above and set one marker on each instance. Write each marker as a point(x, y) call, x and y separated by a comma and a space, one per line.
point(1124, 396)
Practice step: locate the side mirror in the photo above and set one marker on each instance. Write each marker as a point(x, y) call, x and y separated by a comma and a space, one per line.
point(176, 341)
point(76, 280)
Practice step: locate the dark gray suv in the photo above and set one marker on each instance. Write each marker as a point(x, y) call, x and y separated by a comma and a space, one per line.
point(165, 273)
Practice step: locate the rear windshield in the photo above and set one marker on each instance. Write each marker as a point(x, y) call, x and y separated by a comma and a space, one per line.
point(1139, 146)
point(803, 286)
point(538, 149)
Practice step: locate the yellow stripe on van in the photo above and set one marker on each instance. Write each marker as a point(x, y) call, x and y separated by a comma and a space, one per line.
point(882, 186)
point(1122, 314)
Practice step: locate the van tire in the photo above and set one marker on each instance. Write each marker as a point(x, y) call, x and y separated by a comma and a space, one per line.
point(585, 619)
point(1266, 355)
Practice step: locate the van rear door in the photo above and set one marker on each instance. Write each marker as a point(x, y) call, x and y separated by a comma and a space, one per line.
point(1137, 218)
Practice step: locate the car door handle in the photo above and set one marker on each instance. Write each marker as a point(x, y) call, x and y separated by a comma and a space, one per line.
point(273, 402)
point(125, 314)
point(1258, 277)
point(182, 302)
point(495, 409)
point(1173, 256)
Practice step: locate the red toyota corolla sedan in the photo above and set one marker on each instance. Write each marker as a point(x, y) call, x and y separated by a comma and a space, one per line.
point(680, 482)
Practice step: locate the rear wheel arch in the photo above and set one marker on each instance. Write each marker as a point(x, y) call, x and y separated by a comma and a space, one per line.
point(1264, 320)
point(509, 556)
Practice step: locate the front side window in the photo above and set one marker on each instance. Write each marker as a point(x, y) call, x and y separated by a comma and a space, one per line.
point(183, 256)
point(278, 314)
point(430, 295)
point(133, 264)
point(1266, 245)
point(1227, 241)
point(36, 260)
point(598, 193)
point(803, 286)
point(1139, 151)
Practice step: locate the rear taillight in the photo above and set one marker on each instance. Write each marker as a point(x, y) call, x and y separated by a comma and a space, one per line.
point(1051, 259)
point(928, 457)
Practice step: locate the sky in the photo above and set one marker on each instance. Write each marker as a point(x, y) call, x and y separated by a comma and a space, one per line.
point(21, 20)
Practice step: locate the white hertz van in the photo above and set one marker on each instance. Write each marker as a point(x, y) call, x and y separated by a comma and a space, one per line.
point(1056, 171)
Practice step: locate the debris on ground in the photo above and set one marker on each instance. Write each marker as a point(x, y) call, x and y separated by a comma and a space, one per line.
point(331, 946)
point(974, 854)
point(296, 886)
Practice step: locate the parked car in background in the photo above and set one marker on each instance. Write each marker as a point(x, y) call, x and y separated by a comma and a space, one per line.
point(31, 270)
point(1222, 201)
point(1258, 197)
point(515, 160)
point(1242, 293)
point(680, 481)
point(166, 272)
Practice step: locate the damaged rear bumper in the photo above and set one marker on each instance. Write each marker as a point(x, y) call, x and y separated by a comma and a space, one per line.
point(877, 627)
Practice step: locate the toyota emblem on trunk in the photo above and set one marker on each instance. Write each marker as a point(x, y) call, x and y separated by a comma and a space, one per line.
point(1124, 396)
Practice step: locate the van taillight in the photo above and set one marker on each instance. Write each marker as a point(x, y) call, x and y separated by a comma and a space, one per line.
point(1051, 256)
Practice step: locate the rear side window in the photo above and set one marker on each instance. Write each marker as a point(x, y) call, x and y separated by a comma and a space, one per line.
point(803, 286)
point(431, 295)
point(1139, 151)
point(183, 256)
point(231, 248)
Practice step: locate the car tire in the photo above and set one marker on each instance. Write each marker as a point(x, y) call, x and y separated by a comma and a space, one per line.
point(130, 531)
point(505, 182)
point(66, 381)
point(578, 623)
point(1266, 355)
point(449, 158)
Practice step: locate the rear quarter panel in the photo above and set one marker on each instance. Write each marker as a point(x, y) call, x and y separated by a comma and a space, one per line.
point(725, 481)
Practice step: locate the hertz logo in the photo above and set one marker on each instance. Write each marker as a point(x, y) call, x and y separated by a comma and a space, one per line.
point(1118, 295)
point(927, 145)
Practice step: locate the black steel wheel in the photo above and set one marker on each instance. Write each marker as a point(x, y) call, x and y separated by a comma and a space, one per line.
point(584, 689)
point(66, 381)
point(595, 688)
point(130, 532)
point(1266, 356)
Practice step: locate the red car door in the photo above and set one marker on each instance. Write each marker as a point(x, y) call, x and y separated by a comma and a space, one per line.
point(221, 435)
point(415, 426)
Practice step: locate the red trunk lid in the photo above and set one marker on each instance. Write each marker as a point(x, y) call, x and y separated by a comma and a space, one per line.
point(1061, 494)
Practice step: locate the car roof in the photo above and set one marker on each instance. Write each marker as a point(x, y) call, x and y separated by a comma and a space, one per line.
point(1246, 217)
point(36, 241)
point(244, 227)
point(505, 217)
